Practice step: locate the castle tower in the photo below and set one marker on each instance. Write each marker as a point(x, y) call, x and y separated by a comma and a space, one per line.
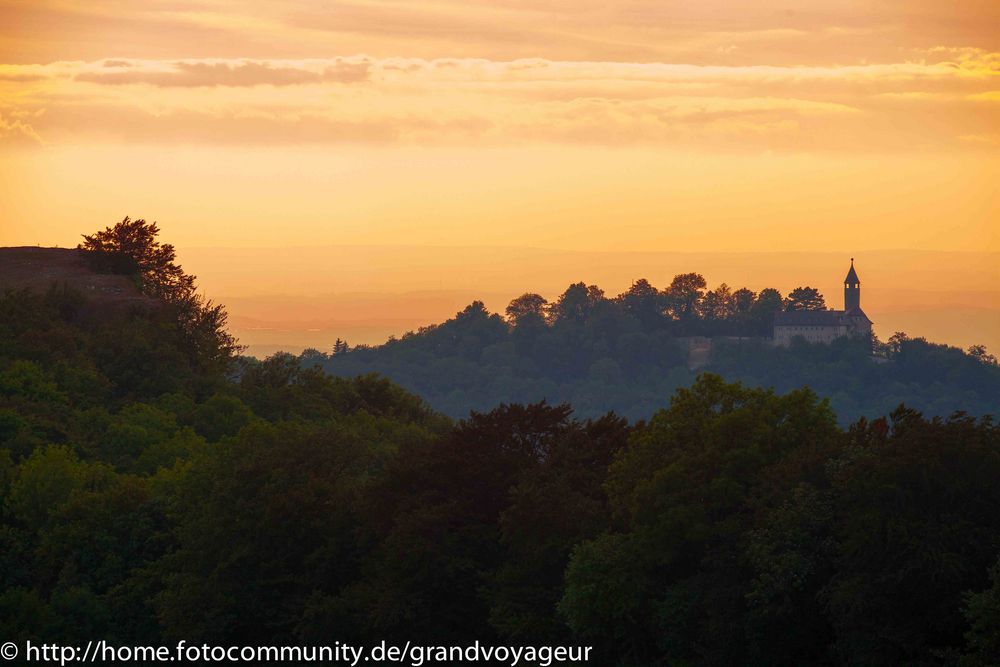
point(852, 290)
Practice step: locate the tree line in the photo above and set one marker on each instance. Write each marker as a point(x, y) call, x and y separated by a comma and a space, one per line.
point(150, 492)
point(146, 499)
point(610, 354)
point(684, 308)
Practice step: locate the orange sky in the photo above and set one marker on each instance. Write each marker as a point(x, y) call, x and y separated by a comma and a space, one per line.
point(646, 125)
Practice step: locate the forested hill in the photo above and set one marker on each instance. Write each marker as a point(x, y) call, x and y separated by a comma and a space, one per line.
point(154, 486)
point(145, 495)
point(629, 353)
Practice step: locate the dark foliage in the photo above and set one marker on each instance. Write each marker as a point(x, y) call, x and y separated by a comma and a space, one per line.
point(750, 530)
point(130, 247)
point(936, 379)
point(145, 497)
point(627, 354)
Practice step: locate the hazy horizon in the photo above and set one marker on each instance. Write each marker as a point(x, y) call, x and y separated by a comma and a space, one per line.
point(501, 138)
point(294, 298)
point(298, 297)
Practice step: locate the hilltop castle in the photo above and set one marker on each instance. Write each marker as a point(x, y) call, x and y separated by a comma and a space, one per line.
point(823, 326)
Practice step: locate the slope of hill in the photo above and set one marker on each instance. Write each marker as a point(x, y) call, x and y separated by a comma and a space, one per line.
point(147, 495)
point(292, 298)
point(613, 362)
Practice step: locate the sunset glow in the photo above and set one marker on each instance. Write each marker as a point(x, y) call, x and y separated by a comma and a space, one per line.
point(711, 127)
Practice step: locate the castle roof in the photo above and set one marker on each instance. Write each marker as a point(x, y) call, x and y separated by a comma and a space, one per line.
point(857, 312)
point(852, 275)
point(809, 318)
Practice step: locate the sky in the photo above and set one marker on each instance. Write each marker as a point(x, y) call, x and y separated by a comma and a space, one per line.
point(645, 126)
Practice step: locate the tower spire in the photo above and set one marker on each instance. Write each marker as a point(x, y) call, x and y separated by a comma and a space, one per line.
point(852, 289)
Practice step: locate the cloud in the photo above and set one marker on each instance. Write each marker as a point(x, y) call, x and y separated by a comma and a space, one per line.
point(955, 65)
point(245, 73)
point(923, 102)
point(809, 32)
point(981, 139)
point(20, 78)
point(765, 122)
point(15, 132)
point(988, 96)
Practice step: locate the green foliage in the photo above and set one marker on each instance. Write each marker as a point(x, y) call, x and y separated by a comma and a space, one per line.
point(628, 354)
point(148, 495)
point(25, 379)
point(915, 529)
point(585, 350)
point(44, 481)
point(131, 247)
point(686, 488)
point(460, 548)
point(287, 497)
point(982, 611)
point(116, 451)
point(935, 379)
point(740, 514)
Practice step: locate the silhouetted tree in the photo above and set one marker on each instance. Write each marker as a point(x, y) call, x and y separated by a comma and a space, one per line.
point(768, 302)
point(896, 342)
point(525, 306)
point(204, 324)
point(684, 294)
point(979, 352)
point(132, 244)
point(576, 303)
point(717, 304)
point(805, 298)
point(643, 302)
point(742, 302)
